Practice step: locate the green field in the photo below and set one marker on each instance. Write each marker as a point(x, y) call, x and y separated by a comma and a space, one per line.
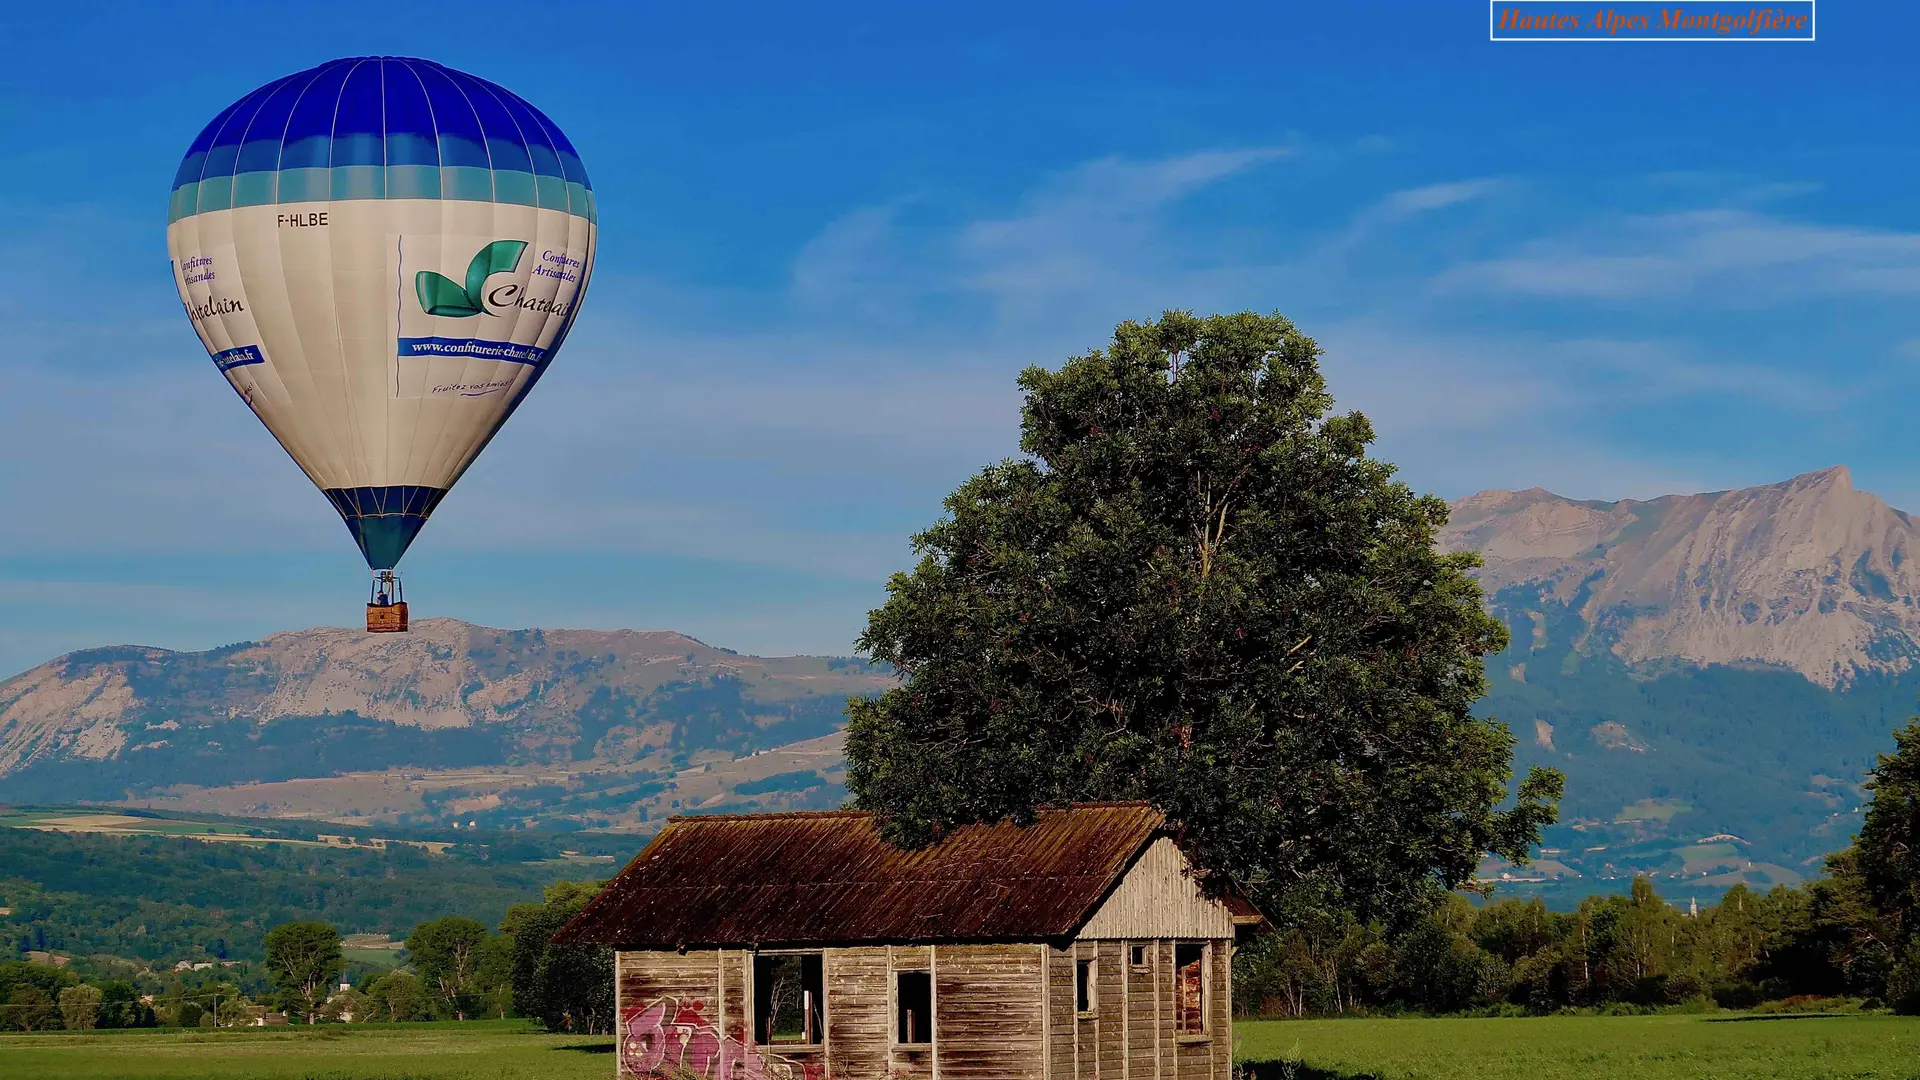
point(489, 1050)
point(1552, 1048)
point(1723, 1047)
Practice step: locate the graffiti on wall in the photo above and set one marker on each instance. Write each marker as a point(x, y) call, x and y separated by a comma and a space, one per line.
point(671, 1037)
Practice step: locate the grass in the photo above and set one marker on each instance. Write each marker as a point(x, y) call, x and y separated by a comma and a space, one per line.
point(485, 1050)
point(1588, 1048)
point(1727, 1047)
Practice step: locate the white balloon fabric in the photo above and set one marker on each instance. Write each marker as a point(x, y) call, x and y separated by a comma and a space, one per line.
point(382, 256)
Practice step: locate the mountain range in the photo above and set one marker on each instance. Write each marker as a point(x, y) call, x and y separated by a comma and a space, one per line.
point(1713, 672)
point(562, 728)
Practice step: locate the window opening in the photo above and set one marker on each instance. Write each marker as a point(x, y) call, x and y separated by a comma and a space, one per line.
point(788, 999)
point(1083, 986)
point(1139, 958)
point(913, 1007)
point(1190, 987)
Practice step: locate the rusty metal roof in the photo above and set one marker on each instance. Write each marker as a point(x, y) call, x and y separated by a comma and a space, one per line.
point(828, 878)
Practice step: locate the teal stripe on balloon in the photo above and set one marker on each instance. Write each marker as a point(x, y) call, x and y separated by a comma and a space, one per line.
point(255, 188)
point(216, 193)
point(413, 181)
point(185, 198)
point(359, 182)
point(466, 183)
point(343, 182)
point(306, 185)
point(515, 187)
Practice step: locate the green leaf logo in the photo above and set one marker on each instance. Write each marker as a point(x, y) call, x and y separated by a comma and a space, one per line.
point(440, 295)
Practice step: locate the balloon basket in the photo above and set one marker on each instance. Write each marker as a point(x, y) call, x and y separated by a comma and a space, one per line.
point(387, 618)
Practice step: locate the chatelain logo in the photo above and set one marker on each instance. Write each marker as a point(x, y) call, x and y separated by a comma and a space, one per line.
point(211, 306)
point(441, 295)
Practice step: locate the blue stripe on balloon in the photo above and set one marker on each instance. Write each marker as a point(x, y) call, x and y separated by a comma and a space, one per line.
point(380, 127)
point(462, 142)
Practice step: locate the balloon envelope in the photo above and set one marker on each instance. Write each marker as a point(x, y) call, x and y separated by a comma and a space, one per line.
point(382, 255)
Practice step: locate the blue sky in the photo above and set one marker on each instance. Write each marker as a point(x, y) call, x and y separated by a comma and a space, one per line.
point(832, 234)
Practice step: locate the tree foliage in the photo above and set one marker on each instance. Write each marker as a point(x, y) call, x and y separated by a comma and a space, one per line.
point(1620, 951)
point(395, 997)
point(80, 1007)
point(1197, 588)
point(565, 987)
point(1888, 847)
point(1872, 896)
point(303, 960)
point(447, 954)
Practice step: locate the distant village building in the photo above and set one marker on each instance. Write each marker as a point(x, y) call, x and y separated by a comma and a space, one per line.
point(802, 946)
point(247, 1015)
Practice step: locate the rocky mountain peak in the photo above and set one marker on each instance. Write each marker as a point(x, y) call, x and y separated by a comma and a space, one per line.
point(1808, 574)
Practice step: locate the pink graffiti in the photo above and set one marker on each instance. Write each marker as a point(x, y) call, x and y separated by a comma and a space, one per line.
point(668, 1037)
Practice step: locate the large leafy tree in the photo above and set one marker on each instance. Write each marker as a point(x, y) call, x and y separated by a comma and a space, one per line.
point(565, 987)
point(1867, 912)
point(1197, 588)
point(1887, 851)
point(303, 960)
point(447, 952)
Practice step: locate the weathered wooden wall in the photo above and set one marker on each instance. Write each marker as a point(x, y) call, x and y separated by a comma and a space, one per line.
point(644, 977)
point(1157, 899)
point(908, 1062)
point(1131, 1030)
point(987, 1019)
point(859, 1013)
point(1220, 1008)
point(1144, 995)
point(1063, 1055)
point(1002, 1012)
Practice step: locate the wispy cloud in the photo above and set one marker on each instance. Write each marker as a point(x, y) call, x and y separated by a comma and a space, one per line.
point(1742, 255)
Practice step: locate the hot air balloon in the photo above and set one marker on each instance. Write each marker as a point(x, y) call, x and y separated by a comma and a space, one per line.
point(382, 255)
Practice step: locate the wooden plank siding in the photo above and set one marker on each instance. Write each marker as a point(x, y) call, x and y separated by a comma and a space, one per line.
point(907, 1063)
point(645, 977)
point(858, 1016)
point(1220, 1008)
point(987, 1002)
point(1159, 898)
point(1143, 996)
point(735, 973)
point(1110, 1008)
point(1063, 1056)
point(1164, 1005)
point(1086, 1028)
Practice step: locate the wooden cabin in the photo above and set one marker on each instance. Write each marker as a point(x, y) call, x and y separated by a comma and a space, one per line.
point(802, 945)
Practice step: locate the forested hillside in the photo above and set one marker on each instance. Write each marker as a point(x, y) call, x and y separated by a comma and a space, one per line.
point(161, 900)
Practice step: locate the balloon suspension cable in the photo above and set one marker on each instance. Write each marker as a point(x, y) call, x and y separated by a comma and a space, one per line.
point(386, 606)
point(386, 590)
